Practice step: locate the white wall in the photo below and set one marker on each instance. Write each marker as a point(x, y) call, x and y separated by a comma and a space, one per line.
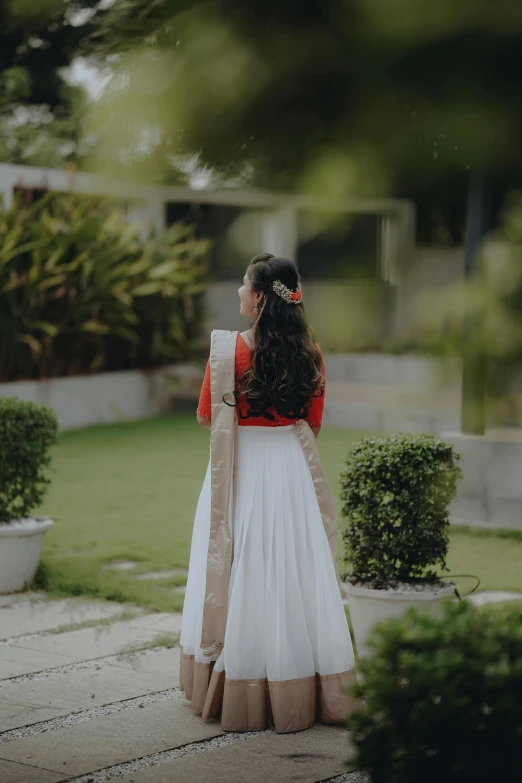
point(96, 399)
point(490, 493)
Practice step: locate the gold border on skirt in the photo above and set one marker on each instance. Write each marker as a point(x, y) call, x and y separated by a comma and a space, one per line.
point(258, 704)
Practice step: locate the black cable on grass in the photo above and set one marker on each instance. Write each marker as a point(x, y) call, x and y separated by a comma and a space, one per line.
point(462, 576)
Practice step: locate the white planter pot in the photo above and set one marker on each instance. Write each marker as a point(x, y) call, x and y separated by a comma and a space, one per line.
point(368, 607)
point(21, 545)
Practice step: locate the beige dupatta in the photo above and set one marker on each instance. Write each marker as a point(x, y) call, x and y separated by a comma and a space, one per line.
point(324, 494)
point(223, 453)
point(222, 457)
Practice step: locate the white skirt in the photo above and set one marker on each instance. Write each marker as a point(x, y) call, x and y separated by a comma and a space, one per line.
point(287, 659)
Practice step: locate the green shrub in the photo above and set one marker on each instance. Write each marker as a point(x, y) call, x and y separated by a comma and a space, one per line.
point(396, 493)
point(27, 432)
point(443, 698)
point(80, 292)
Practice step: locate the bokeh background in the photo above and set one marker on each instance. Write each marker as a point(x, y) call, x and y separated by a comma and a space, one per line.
point(149, 149)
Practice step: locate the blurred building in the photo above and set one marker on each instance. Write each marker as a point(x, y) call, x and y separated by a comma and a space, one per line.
point(352, 256)
point(365, 280)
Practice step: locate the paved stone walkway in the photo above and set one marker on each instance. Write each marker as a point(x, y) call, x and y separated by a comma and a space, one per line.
point(89, 691)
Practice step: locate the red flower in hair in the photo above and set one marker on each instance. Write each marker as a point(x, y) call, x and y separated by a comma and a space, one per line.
point(291, 297)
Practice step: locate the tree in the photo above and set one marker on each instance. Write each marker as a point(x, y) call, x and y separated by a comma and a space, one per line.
point(35, 133)
point(40, 113)
point(341, 96)
point(346, 98)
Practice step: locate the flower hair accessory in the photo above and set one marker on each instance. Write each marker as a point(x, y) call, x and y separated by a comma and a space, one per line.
point(291, 297)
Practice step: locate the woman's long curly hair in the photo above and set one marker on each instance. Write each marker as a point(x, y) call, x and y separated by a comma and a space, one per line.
point(286, 371)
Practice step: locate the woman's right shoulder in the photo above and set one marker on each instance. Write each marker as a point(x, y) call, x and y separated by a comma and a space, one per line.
point(247, 338)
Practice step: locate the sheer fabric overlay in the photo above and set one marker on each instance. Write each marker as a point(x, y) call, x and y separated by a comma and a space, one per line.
point(287, 660)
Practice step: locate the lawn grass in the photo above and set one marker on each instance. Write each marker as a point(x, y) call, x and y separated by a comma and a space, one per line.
point(129, 492)
point(123, 492)
point(496, 560)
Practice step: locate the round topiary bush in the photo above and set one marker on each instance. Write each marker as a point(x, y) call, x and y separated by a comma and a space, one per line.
point(443, 698)
point(396, 493)
point(27, 432)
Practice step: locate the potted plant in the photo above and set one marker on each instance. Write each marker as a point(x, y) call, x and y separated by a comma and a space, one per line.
point(396, 493)
point(442, 698)
point(27, 432)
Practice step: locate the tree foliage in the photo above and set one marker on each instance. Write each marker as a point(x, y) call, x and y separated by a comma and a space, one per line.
point(41, 114)
point(35, 134)
point(338, 96)
point(80, 292)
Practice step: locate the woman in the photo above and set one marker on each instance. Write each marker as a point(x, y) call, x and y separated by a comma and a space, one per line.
point(264, 636)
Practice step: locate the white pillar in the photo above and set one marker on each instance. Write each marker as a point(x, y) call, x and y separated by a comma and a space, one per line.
point(279, 232)
point(148, 215)
point(6, 188)
point(6, 198)
point(397, 242)
point(157, 214)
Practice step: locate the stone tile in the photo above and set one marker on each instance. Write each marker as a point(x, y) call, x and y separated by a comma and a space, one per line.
point(153, 575)
point(16, 660)
point(21, 598)
point(11, 772)
point(30, 617)
point(32, 702)
point(493, 597)
point(120, 565)
point(98, 642)
point(48, 652)
point(306, 757)
point(112, 739)
point(163, 662)
point(14, 714)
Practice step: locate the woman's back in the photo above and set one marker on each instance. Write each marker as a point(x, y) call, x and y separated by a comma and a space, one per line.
point(246, 416)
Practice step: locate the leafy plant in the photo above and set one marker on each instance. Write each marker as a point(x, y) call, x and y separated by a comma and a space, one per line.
point(80, 292)
point(442, 698)
point(27, 432)
point(395, 495)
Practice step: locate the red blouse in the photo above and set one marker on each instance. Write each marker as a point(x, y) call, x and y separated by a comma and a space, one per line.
point(243, 362)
